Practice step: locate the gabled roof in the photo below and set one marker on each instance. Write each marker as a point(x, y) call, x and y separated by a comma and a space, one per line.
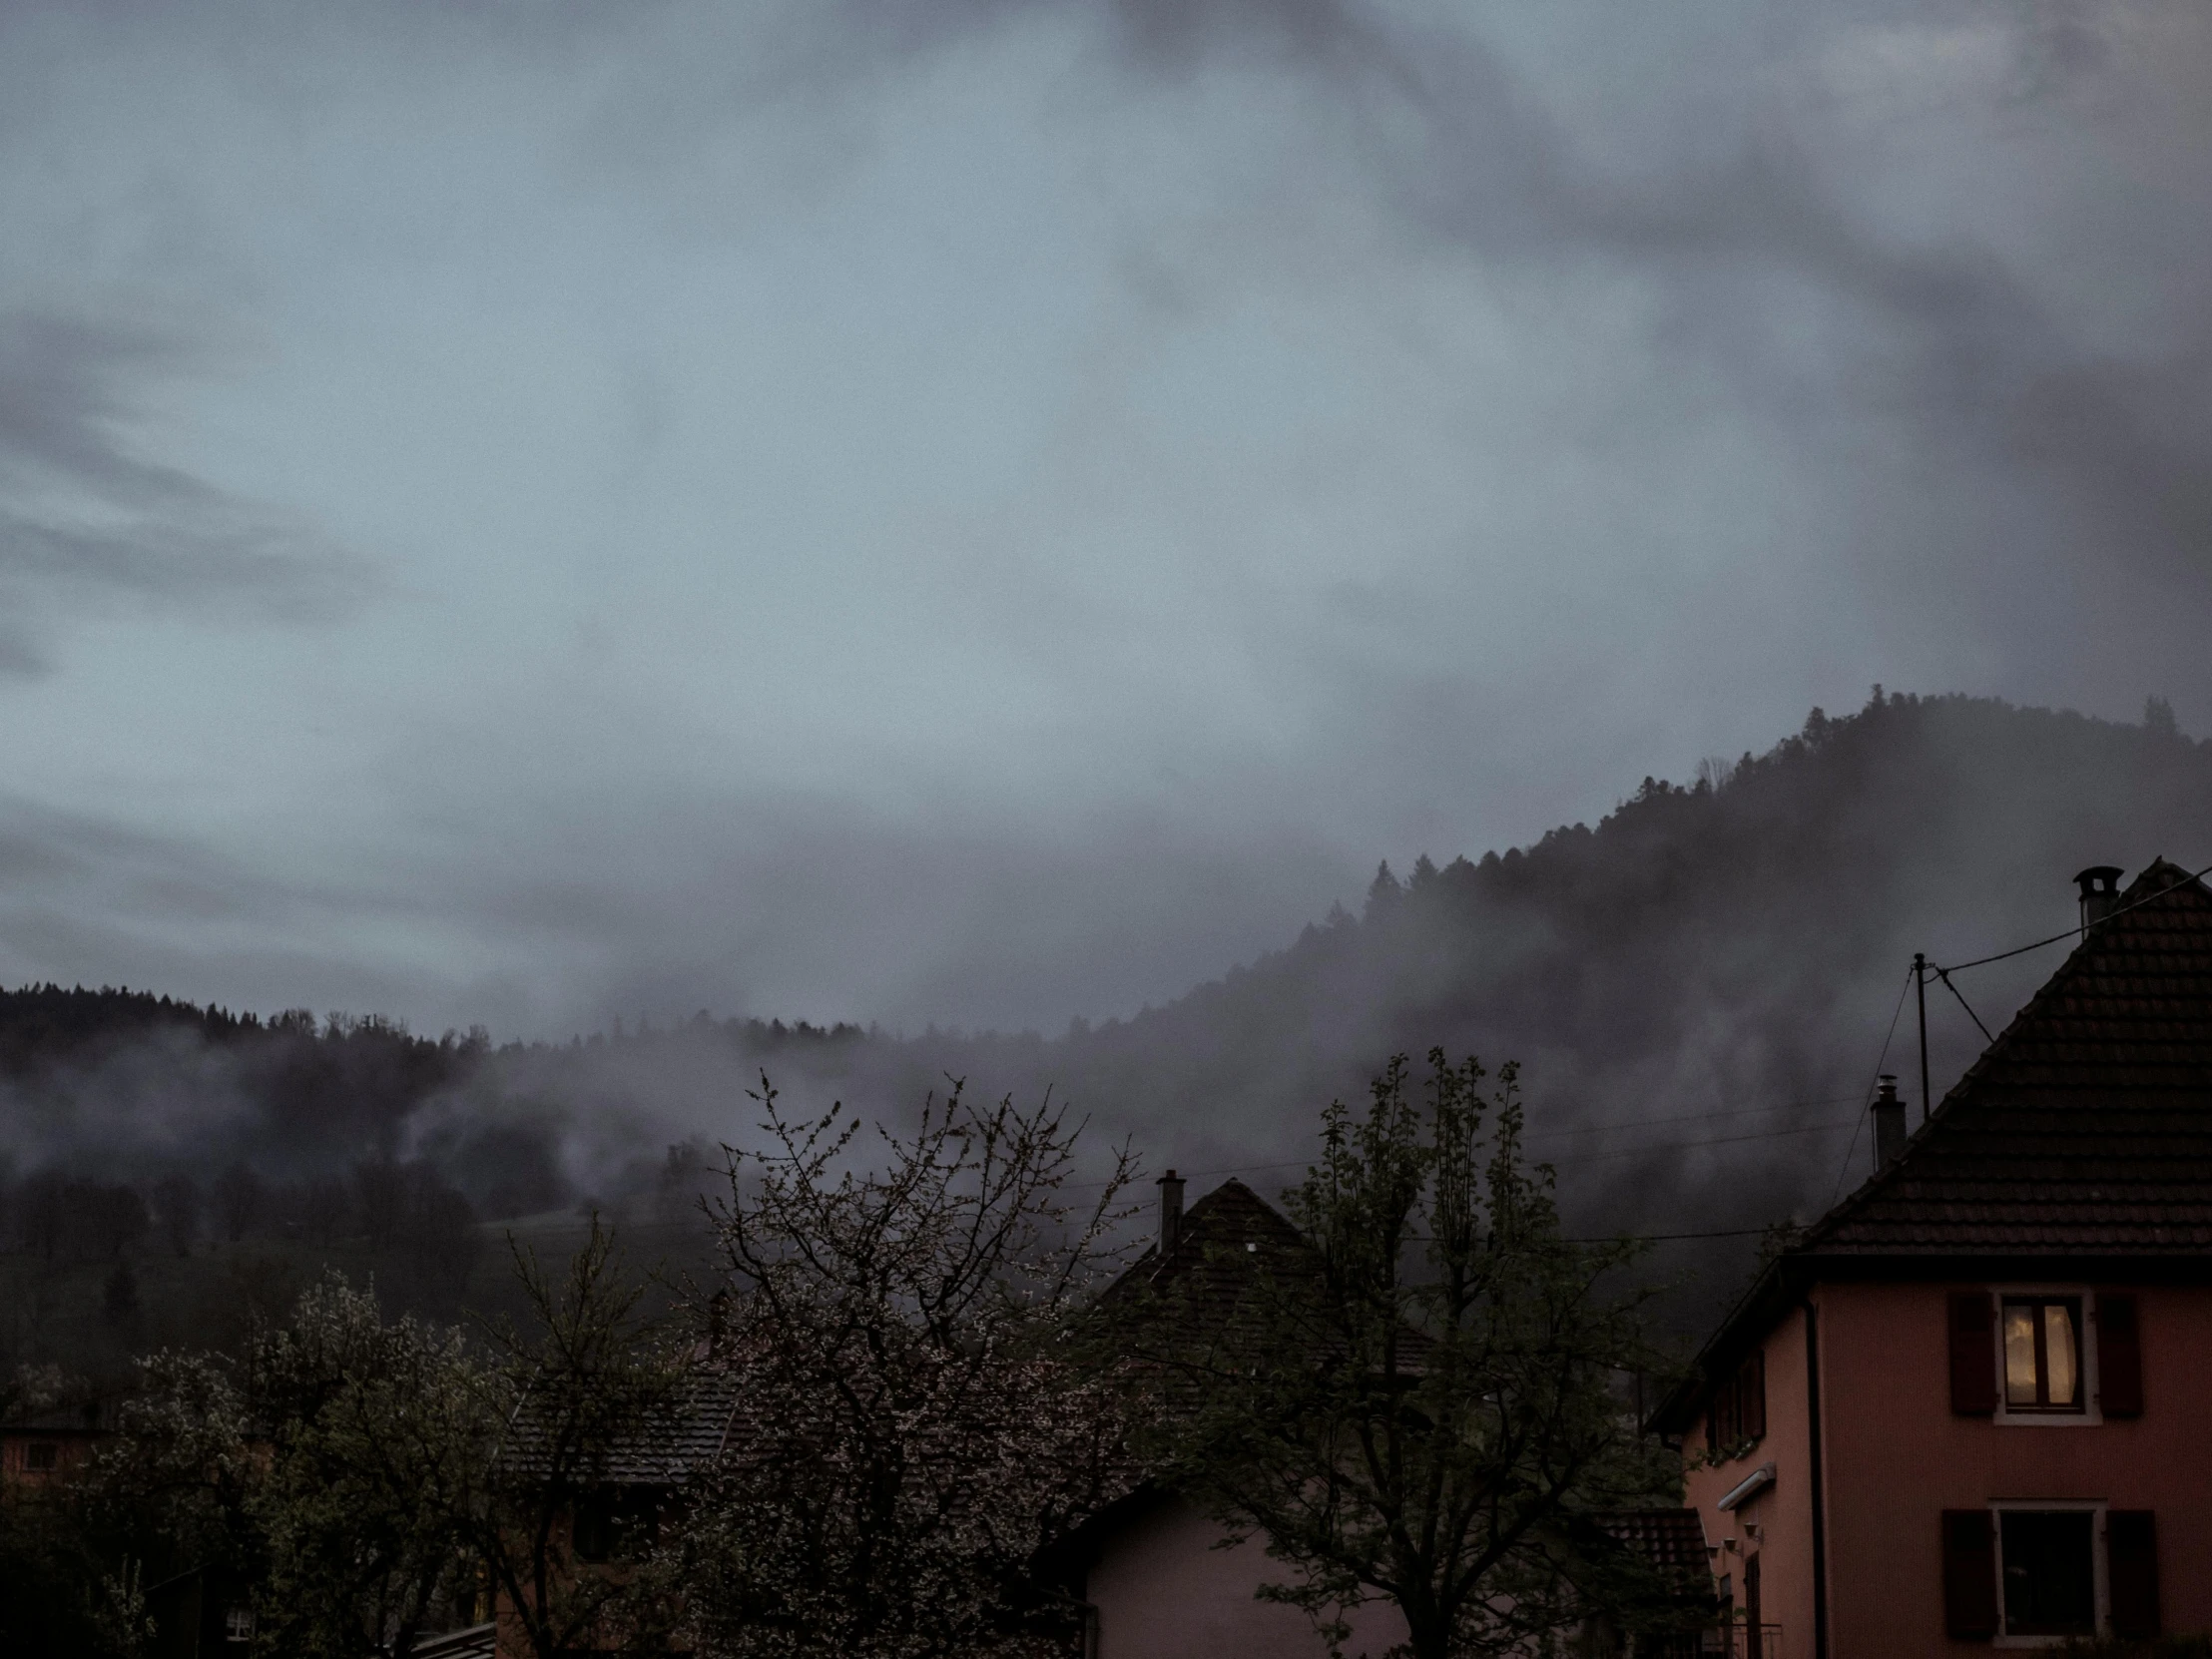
point(665, 1447)
point(1206, 1267)
point(2082, 1136)
point(2085, 1128)
point(84, 1414)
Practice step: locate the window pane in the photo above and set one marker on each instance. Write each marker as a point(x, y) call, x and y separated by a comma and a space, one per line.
point(2058, 1352)
point(2019, 1354)
point(2050, 1578)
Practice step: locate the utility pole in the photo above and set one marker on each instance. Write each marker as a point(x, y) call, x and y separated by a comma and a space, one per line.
point(1920, 986)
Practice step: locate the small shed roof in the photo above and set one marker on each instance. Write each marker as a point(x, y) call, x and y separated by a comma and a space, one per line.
point(1671, 1539)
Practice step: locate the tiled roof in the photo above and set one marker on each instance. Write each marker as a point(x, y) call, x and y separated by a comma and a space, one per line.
point(1217, 1292)
point(665, 1449)
point(1206, 1271)
point(2082, 1135)
point(1671, 1539)
point(2085, 1129)
point(1184, 1314)
point(477, 1641)
point(81, 1417)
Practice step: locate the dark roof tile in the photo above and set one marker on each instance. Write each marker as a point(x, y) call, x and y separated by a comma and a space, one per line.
point(2085, 1129)
point(1670, 1539)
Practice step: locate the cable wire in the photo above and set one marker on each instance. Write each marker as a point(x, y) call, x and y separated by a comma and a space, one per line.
point(1675, 1238)
point(1586, 1129)
point(1580, 1129)
point(2074, 932)
point(1881, 1060)
point(1945, 975)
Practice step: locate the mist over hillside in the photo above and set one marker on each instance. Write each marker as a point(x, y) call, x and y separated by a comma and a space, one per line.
point(1698, 990)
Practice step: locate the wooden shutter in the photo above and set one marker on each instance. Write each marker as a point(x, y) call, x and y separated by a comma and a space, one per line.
point(2131, 1563)
point(2120, 1358)
point(1753, 1384)
point(1754, 1647)
point(1973, 1361)
point(1970, 1572)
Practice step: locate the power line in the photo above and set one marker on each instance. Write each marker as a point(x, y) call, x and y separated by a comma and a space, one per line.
point(1688, 1117)
point(1686, 1146)
point(2073, 932)
point(1881, 1060)
point(1945, 975)
point(1586, 1129)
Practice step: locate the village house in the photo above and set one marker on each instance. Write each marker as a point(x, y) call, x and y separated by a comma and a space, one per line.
point(1156, 1572)
point(40, 1446)
point(1961, 1410)
point(1153, 1571)
point(628, 1491)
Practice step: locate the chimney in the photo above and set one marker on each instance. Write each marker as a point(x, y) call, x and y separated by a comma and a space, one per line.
point(1171, 1212)
point(1889, 1122)
point(2100, 894)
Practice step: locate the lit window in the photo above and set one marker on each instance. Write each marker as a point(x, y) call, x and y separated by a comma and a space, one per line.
point(2049, 1572)
point(2042, 1353)
point(40, 1456)
point(238, 1624)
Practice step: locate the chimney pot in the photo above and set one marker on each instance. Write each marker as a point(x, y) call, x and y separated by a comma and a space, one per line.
point(2100, 892)
point(1171, 1212)
point(1889, 1122)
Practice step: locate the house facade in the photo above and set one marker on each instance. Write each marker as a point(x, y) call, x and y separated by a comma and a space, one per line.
point(1157, 1575)
point(1162, 1578)
point(41, 1446)
point(1961, 1412)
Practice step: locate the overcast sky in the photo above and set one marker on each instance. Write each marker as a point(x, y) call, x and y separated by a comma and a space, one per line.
point(979, 511)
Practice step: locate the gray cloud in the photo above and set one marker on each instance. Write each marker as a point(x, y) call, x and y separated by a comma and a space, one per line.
point(994, 509)
point(2037, 451)
point(89, 524)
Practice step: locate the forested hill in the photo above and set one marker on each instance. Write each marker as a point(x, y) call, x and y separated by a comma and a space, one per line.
point(1697, 988)
point(1734, 945)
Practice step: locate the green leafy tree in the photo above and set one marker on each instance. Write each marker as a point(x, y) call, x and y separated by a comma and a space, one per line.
point(380, 1436)
point(176, 1487)
point(1428, 1404)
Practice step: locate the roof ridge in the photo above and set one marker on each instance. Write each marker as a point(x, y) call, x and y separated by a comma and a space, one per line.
point(2100, 939)
point(1218, 1207)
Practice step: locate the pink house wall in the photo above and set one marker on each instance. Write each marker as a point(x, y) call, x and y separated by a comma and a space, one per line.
point(1163, 1591)
point(1894, 1457)
point(1782, 1514)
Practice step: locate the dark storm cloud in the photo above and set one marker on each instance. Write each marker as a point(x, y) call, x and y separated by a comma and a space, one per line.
point(87, 523)
point(2016, 453)
point(1961, 356)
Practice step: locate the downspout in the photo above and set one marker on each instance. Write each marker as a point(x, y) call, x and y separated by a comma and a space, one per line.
point(1819, 1506)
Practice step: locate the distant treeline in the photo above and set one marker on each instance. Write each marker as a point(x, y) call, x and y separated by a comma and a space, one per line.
point(280, 1126)
point(1701, 981)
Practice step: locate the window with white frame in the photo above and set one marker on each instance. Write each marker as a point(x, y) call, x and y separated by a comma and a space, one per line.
point(238, 1624)
point(2047, 1571)
point(2036, 1573)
